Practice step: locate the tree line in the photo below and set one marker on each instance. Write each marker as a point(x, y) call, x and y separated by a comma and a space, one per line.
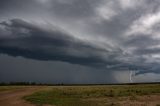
point(26, 83)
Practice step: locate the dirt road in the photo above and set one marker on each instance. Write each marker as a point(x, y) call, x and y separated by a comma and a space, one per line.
point(14, 97)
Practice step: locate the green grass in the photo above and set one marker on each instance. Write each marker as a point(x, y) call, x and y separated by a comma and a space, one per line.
point(85, 95)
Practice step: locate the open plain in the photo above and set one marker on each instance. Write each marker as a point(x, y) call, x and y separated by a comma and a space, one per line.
point(89, 95)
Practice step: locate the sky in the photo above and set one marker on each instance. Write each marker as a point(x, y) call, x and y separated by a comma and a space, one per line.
point(80, 41)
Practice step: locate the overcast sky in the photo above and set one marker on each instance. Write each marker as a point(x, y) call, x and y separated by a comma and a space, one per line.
point(80, 41)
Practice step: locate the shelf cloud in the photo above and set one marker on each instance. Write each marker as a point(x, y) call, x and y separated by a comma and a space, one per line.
point(105, 35)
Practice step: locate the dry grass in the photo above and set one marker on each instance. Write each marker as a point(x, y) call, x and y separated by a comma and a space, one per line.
point(116, 95)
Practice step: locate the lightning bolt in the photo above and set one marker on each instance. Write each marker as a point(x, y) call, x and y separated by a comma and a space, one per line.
point(130, 77)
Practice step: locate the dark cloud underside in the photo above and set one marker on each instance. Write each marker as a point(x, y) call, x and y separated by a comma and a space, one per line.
point(110, 35)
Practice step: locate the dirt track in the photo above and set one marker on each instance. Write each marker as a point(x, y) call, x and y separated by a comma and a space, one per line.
point(14, 97)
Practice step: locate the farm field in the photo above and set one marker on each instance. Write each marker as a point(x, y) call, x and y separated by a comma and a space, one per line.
point(90, 95)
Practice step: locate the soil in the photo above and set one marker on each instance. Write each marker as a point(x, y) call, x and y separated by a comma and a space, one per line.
point(14, 97)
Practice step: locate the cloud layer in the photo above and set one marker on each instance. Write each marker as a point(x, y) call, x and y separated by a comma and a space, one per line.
point(111, 35)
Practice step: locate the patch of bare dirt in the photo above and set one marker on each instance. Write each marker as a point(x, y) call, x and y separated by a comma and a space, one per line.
point(14, 97)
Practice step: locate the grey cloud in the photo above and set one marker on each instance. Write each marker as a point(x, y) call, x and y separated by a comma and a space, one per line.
point(147, 51)
point(74, 31)
point(44, 45)
point(21, 69)
point(56, 45)
point(141, 41)
point(73, 9)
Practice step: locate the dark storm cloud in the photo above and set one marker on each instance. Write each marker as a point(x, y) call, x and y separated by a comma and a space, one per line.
point(107, 34)
point(41, 44)
point(21, 69)
point(34, 42)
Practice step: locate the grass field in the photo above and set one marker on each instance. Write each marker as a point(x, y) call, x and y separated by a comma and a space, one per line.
point(8, 88)
point(104, 95)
